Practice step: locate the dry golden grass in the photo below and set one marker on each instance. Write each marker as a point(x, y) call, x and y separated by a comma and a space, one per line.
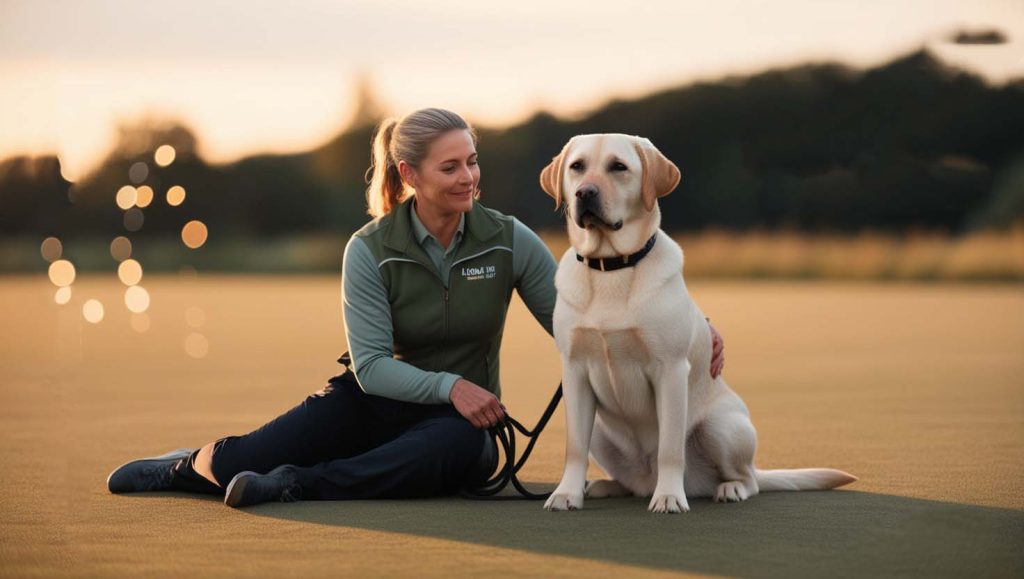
point(983, 255)
point(916, 256)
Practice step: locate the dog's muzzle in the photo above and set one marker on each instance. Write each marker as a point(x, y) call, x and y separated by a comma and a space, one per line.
point(588, 210)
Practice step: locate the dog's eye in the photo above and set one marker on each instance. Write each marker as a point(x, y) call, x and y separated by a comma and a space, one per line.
point(617, 166)
point(576, 166)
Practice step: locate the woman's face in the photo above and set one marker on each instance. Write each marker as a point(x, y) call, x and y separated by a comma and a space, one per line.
point(448, 176)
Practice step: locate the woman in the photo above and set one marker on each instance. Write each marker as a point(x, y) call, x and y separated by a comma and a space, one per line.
point(425, 289)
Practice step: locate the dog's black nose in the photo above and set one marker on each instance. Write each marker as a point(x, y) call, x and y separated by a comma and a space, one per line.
point(586, 192)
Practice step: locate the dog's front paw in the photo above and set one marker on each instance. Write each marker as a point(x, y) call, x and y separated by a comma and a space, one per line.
point(564, 501)
point(667, 503)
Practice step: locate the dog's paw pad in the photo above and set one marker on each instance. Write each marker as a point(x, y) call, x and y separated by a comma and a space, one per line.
point(668, 504)
point(731, 492)
point(564, 502)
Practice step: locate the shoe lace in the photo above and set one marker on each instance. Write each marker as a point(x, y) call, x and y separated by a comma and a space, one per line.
point(158, 477)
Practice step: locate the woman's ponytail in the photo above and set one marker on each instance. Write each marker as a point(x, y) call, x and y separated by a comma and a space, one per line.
point(385, 189)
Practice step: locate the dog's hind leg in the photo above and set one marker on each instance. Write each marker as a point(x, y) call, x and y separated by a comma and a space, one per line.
point(702, 477)
point(728, 440)
point(624, 461)
point(606, 489)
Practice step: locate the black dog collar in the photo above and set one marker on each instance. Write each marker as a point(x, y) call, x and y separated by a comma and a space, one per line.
point(618, 262)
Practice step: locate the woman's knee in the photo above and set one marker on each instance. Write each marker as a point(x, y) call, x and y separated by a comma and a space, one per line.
point(453, 453)
point(456, 439)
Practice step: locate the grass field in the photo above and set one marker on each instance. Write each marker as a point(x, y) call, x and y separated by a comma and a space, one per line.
point(917, 389)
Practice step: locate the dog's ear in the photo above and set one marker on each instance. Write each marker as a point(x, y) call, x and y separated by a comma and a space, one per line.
point(551, 178)
point(661, 176)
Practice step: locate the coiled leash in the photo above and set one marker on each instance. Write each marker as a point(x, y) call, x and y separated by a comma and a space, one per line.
point(505, 433)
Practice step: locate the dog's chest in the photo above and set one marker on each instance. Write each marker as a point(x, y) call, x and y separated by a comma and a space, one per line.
point(617, 328)
point(614, 362)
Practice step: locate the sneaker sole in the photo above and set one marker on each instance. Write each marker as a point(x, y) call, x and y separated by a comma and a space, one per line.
point(174, 454)
point(236, 489)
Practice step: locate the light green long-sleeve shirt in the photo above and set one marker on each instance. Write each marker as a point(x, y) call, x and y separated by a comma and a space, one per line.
point(368, 323)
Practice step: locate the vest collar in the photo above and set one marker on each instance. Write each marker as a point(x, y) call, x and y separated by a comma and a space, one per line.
point(399, 235)
point(619, 261)
point(421, 234)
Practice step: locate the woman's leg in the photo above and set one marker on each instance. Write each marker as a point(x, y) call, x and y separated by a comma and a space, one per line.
point(339, 421)
point(435, 455)
point(186, 478)
point(202, 464)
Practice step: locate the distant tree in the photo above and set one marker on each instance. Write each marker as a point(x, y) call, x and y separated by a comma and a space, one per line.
point(33, 196)
point(913, 143)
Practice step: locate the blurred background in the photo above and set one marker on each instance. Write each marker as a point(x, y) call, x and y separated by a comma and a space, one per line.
point(877, 140)
point(851, 208)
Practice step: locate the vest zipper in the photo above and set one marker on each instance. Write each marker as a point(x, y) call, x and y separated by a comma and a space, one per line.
point(442, 281)
point(444, 341)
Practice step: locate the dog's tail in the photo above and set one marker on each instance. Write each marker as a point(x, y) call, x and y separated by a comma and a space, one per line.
point(802, 479)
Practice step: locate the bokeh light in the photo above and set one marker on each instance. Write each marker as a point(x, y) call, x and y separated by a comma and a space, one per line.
point(194, 234)
point(62, 273)
point(138, 172)
point(133, 219)
point(63, 295)
point(130, 272)
point(51, 249)
point(93, 311)
point(144, 196)
point(175, 195)
point(126, 197)
point(137, 299)
point(65, 170)
point(196, 345)
point(164, 155)
point(195, 317)
point(140, 322)
point(121, 248)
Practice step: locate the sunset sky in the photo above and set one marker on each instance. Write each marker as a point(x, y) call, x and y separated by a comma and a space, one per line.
point(266, 76)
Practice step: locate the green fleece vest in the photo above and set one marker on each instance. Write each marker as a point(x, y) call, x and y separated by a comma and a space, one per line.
point(450, 321)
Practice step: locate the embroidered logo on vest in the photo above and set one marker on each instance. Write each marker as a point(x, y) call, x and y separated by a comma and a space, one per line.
point(483, 272)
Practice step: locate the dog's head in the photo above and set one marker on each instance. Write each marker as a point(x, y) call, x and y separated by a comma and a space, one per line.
point(610, 184)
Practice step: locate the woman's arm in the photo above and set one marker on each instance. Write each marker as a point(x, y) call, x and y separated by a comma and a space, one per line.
point(717, 351)
point(369, 330)
point(534, 269)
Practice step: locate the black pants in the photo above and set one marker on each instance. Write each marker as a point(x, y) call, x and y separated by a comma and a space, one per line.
point(347, 444)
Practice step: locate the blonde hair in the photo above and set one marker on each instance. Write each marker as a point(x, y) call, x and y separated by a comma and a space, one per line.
point(406, 140)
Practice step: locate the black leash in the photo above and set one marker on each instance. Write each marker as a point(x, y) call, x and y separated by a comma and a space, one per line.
point(505, 433)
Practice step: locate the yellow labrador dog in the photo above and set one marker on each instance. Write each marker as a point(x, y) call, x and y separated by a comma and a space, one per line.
point(636, 350)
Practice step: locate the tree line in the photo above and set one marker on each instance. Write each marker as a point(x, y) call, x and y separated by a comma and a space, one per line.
point(912, 144)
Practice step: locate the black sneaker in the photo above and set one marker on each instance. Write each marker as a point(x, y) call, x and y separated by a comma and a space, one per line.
point(251, 488)
point(146, 474)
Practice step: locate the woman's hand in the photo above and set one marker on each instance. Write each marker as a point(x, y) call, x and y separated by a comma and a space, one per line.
point(717, 351)
point(481, 408)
